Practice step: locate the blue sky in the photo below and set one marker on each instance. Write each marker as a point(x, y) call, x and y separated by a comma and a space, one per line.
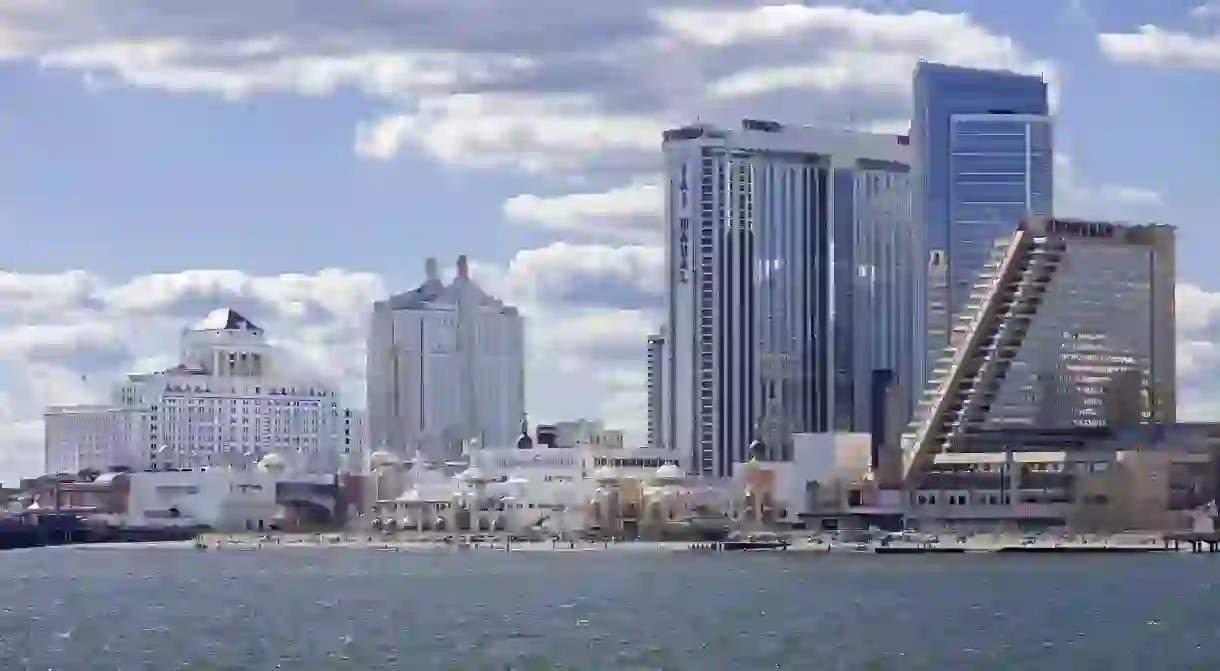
point(279, 141)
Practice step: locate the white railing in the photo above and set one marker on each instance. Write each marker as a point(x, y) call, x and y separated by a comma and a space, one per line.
point(965, 348)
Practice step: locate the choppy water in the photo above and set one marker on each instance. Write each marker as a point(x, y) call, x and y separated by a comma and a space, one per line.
point(94, 609)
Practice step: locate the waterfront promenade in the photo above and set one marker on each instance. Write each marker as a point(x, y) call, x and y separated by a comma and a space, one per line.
point(979, 543)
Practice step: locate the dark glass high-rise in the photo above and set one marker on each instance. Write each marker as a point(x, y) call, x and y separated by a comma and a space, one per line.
point(983, 145)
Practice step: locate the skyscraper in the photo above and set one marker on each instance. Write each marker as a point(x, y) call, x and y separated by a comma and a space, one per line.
point(446, 365)
point(984, 150)
point(793, 271)
point(1071, 324)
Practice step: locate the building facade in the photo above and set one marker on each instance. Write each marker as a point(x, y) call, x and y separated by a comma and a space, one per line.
point(446, 366)
point(1071, 325)
point(228, 402)
point(1000, 170)
point(1086, 478)
point(984, 152)
point(763, 336)
point(657, 389)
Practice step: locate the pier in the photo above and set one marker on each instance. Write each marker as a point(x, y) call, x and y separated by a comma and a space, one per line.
point(1198, 540)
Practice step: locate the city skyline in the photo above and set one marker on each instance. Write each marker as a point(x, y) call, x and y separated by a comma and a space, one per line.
point(159, 159)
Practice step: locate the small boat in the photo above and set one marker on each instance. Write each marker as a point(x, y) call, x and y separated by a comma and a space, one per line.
point(760, 541)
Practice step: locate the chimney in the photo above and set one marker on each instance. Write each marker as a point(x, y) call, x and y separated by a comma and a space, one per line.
point(431, 273)
point(463, 268)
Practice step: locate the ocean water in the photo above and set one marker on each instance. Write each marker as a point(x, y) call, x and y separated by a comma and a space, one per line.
point(101, 608)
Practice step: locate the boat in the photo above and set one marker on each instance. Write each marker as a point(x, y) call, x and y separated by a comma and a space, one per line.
point(708, 528)
point(758, 541)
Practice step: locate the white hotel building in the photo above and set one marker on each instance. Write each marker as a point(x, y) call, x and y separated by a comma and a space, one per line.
point(227, 403)
point(794, 273)
point(446, 365)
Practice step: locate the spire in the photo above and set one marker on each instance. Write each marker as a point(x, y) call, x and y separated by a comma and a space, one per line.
point(524, 442)
point(431, 273)
point(463, 268)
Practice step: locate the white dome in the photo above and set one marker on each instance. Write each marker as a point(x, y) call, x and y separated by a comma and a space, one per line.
point(383, 459)
point(272, 462)
point(471, 474)
point(669, 472)
point(605, 473)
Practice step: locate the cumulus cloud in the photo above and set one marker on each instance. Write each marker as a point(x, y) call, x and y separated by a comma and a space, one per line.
point(1198, 312)
point(67, 338)
point(630, 213)
point(1165, 48)
point(857, 50)
point(529, 84)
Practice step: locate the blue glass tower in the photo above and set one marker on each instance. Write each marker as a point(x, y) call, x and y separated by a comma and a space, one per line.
point(983, 146)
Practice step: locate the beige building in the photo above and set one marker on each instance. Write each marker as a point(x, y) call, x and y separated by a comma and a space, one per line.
point(1145, 478)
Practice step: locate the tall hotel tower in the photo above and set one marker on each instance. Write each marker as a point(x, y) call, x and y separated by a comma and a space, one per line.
point(983, 146)
point(794, 273)
point(1070, 324)
point(446, 365)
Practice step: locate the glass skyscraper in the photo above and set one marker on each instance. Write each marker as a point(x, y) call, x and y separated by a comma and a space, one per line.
point(983, 144)
point(793, 271)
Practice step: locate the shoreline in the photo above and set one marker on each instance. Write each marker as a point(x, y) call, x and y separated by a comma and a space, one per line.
point(1003, 544)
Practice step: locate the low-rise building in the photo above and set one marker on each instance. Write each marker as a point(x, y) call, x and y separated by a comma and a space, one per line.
point(261, 498)
point(1097, 479)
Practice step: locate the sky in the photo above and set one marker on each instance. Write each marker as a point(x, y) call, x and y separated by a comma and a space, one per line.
point(298, 159)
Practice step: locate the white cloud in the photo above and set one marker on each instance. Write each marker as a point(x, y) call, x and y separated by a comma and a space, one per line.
point(544, 91)
point(1075, 197)
point(383, 138)
point(851, 49)
point(1198, 317)
point(269, 65)
point(1163, 48)
point(630, 213)
point(537, 133)
point(65, 338)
